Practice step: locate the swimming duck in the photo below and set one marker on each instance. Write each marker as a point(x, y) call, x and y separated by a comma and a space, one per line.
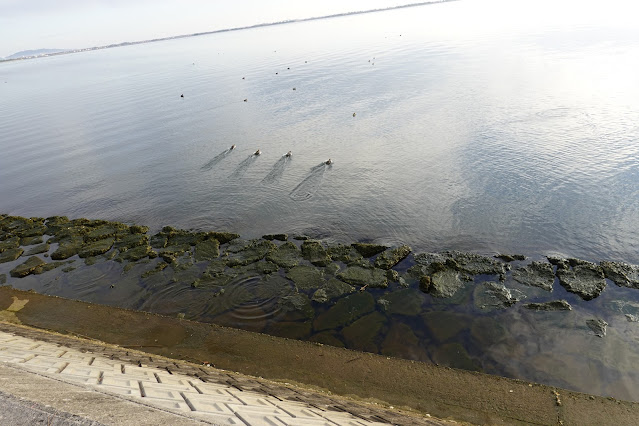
point(232, 147)
point(258, 152)
point(328, 162)
point(288, 154)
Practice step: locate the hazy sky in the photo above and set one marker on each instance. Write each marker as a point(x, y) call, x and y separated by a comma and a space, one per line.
point(71, 24)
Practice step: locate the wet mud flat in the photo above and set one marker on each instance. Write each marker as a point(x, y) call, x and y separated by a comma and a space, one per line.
point(546, 320)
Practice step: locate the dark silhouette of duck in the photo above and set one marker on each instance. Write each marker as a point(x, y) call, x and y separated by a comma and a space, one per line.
point(328, 162)
point(288, 154)
point(232, 147)
point(258, 152)
point(182, 95)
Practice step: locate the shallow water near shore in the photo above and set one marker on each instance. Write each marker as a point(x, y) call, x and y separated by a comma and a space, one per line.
point(445, 134)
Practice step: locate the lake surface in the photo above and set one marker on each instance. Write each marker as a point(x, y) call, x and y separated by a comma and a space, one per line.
point(481, 126)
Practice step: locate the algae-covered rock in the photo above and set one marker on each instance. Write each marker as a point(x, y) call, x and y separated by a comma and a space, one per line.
point(537, 274)
point(475, 264)
point(315, 253)
point(401, 342)
point(345, 311)
point(111, 230)
point(138, 229)
point(68, 247)
point(159, 240)
point(214, 268)
point(584, 279)
point(332, 289)
point(279, 237)
point(297, 306)
point(369, 250)
point(180, 237)
point(287, 255)
point(134, 254)
point(22, 226)
point(29, 241)
point(10, 255)
point(553, 305)
point(491, 295)
point(246, 252)
point(27, 267)
point(363, 334)
point(598, 326)
point(132, 240)
point(622, 274)
point(404, 302)
point(9, 243)
point(306, 277)
point(158, 268)
point(392, 257)
point(207, 250)
point(223, 237)
point(97, 247)
point(363, 277)
point(344, 253)
point(445, 283)
point(55, 223)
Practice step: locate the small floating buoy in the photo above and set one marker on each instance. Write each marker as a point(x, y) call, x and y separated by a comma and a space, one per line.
point(354, 114)
point(288, 154)
point(232, 147)
point(258, 152)
point(328, 162)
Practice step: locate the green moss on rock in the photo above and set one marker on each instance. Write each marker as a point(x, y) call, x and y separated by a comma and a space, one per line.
point(315, 253)
point(27, 267)
point(332, 289)
point(345, 311)
point(392, 257)
point(306, 277)
point(369, 250)
point(286, 256)
point(10, 255)
point(68, 247)
point(207, 250)
point(9, 243)
point(364, 277)
point(96, 248)
point(363, 333)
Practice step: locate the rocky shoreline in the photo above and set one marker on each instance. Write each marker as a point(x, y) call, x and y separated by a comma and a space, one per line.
point(319, 288)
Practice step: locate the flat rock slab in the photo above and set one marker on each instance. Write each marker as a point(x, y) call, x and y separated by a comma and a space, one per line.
point(28, 267)
point(553, 305)
point(364, 277)
point(392, 257)
point(585, 279)
point(537, 274)
point(622, 274)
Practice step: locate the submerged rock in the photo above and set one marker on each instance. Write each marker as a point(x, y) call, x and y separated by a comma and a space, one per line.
point(112, 230)
point(445, 283)
point(28, 267)
point(401, 342)
point(475, 264)
point(368, 250)
point(344, 253)
point(286, 256)
point(537, 274)
point(135, 254)
point(315, 253)
point(495, 295)
point(455, 355)
point(132, 240)
point(584, 279)
point(392, 257)
point(622, 274)
point(10, 255)
point(207, 250)
point(306, 277)
point(363, 333)
point(345, 311)
point(364, 277)
point(96, 248)
point(29, 241)
point(68, 247)
point(553, 305)
point(223, 237)
point(404, 302)
point(298, 304)
point(327, 338)
point(598, 326)
point(246, 252)
point(332, 289)
point(290, 329)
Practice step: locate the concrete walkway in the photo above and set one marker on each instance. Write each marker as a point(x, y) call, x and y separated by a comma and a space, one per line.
point(72, 386)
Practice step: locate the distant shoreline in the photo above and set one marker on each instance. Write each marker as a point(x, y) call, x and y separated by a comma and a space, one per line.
point(268, 24)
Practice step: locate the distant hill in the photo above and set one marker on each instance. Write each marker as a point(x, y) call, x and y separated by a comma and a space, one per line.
point(35, 52)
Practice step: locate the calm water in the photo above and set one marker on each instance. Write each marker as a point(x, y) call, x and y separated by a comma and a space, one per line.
point(482, 126)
